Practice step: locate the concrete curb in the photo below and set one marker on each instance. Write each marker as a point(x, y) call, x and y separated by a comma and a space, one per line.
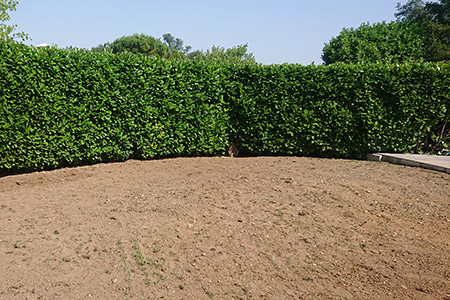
point(432, 162)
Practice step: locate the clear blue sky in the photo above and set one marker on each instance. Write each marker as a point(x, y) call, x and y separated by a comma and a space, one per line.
point(277, 31)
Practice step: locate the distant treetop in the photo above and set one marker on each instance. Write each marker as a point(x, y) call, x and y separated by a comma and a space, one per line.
point(393, 42)
point(141, 43)
point(7, 31)
point(171, 47)
point(420, 33)
point(434, 21)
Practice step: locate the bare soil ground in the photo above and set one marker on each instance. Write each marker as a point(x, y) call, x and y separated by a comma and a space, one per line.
point(226, 228)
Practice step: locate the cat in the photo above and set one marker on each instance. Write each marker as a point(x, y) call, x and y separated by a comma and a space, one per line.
point(233, 150)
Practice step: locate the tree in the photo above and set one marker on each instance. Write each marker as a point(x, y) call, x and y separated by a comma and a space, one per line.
point(235, 55)
point(173, 48)
point(393, 42)
point(175, 43)
point(419, 11)
point(434, 20)
point(141, 43)
point(106, 47)
point(440, 12)
point(6, 31)
point(412, 10)
point(421, 32)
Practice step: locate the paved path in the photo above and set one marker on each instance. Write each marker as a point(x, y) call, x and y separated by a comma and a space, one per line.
point(433, 162)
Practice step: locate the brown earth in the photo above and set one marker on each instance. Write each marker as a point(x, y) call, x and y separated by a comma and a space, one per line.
point(226, 228)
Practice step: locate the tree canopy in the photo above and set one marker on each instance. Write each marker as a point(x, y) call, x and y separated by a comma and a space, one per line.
point(412, 10)
point(434, 21)
point(175, 43)
point(235, 55)
point(393, 42)
point(7, 31)
point(171, 47)
point(420, 33)
point(141, 43)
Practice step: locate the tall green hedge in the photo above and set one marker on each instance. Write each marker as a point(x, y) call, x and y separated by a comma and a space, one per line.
point(71, 107)
point(60, 107)
point(339, 110)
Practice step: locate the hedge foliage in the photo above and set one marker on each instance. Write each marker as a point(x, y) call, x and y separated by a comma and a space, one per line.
point(60, 107)
point(340, 110)
point(71, 107)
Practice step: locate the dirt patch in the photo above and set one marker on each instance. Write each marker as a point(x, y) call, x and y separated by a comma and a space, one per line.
point(226, 228)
